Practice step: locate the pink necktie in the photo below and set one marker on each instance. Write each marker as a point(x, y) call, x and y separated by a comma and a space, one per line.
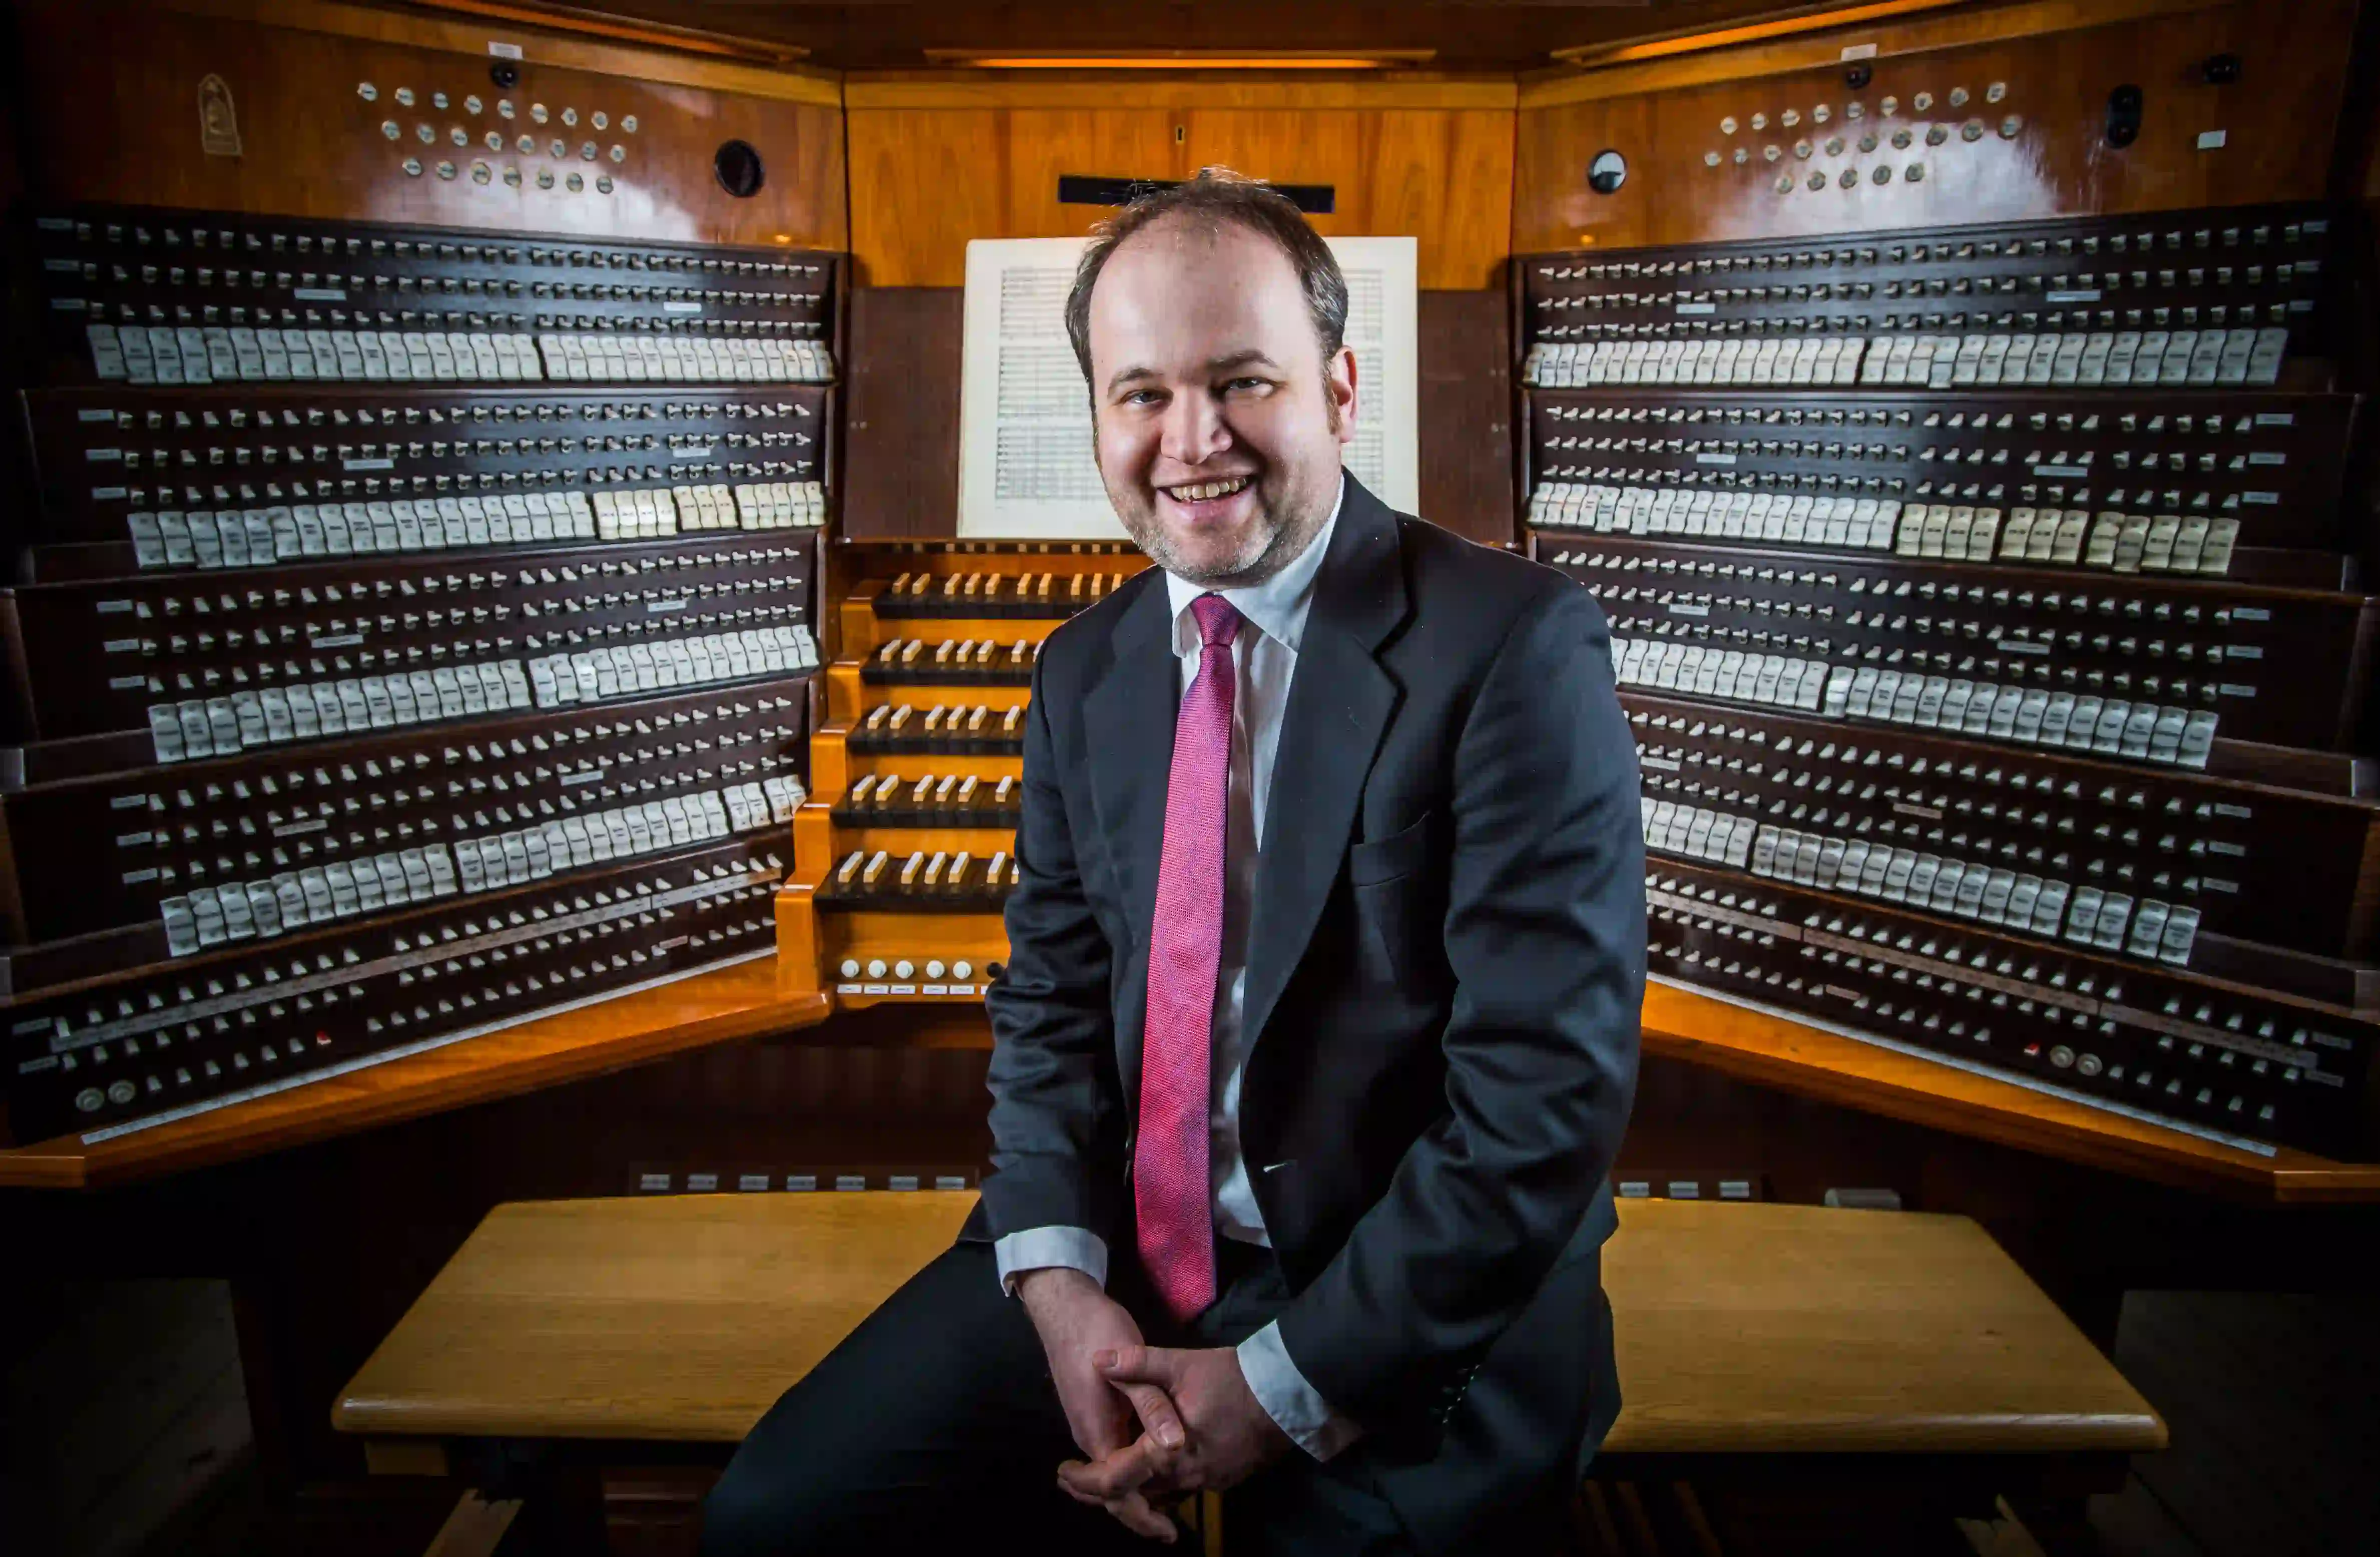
point(1170, 1190)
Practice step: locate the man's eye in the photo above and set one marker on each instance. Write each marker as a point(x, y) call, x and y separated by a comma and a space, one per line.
point(1244, 383)
point(1141, 397)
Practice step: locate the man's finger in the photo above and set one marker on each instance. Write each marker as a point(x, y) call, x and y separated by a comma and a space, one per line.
point(1142, 1364)
point(1138, 1517)
point(1074, 1492)
point(1157, 1417)
point(1127, 1470)
point(1132, 1359)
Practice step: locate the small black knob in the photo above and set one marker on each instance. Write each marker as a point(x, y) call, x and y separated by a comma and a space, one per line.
point(504, 74)
point(2124, 106)
point(1857, 76)
point(2221, 70)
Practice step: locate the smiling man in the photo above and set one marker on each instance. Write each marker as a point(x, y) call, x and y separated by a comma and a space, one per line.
point(1318, 1029)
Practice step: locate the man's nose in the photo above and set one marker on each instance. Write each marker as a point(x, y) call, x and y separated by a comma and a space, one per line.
point(1195, 431)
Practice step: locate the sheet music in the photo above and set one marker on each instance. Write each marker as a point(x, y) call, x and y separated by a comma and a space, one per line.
point(1025, 464)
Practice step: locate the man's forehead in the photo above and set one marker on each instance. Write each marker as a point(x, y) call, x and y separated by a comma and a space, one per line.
point(1176, 280)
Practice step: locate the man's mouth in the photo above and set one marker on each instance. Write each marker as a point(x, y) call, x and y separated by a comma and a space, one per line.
point(1207, 492)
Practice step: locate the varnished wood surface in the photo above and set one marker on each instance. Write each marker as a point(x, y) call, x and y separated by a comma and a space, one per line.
point(1475, 35)
point(112, 116)
point(2278, 123)
point(992, 150)
point(663, 52)
point(751, 999)
point(1296, 90)
point(1814, 36)
point(901, 425)
point(1776, 1052)
point(1741, 1328)
point(1466, 427)
point(742, 1001)
point(1782, 1329)
point(673, 1317)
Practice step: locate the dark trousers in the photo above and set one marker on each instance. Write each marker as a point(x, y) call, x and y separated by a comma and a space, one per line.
point(936, 1420)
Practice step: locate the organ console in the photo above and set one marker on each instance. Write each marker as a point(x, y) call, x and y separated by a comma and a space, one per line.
point(902, 858)
point(1989, 615)
point(486, 609)
point(466, 683)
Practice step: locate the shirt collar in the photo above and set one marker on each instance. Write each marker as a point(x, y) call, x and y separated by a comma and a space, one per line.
point(1278, 607)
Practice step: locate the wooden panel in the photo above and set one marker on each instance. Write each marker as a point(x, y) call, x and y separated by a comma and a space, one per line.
point(1818, 35)
point(710, 1008)
point(992, 153)
point(112, 115)
point(1168, 91)
point(993, 172)
point(1444, 178)
point(901, 433)
point(1466, 411)
point(2278, 122)
point(901, 470)
point(1741, 1328)
point(582, 40)
point(1469, 35)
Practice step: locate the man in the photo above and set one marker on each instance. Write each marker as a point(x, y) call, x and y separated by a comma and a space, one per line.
point(1318, 1029)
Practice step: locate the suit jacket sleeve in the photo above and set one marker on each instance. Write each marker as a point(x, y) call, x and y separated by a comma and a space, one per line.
point(1545, 933)
point(1057, 1120)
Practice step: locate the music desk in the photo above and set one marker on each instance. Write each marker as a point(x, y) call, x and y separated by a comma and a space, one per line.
point(1757, 1343)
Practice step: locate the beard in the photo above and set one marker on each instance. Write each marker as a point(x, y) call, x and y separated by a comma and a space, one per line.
point(1289, 508)
point(1284, 521)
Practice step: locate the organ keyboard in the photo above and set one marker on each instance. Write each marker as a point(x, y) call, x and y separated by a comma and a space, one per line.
point(372, 715)
point(902, 861)
point(1989, 618)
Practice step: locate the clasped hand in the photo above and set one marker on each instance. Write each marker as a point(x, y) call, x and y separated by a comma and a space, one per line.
point(1199, 1428)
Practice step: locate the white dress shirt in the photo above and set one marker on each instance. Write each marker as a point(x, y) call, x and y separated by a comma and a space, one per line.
point(1264, 658)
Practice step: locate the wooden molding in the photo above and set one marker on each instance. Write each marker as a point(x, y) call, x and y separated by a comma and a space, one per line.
point(1810, 1061)
point(1927, 34)
point(1180, 59)
point(580, 21)
point(1814, 18)
point(1185, 88)
point(540, 46)
point(744, 999)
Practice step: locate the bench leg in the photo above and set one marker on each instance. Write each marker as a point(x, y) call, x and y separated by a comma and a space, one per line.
point(475, 1527)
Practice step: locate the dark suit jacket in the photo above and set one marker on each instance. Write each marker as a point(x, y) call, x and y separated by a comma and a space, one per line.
point(1447, 957)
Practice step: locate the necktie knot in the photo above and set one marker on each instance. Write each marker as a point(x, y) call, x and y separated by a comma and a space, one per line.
point(1219, 621)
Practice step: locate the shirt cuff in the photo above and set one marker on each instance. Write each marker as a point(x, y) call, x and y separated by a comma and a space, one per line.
point(1293, 1405)
point(1040, 1248)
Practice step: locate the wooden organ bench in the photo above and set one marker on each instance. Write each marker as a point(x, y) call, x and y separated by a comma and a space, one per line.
point(1891, 1348)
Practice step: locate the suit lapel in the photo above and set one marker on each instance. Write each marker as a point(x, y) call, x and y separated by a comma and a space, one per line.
point(1129, 716)
point(1339, 705)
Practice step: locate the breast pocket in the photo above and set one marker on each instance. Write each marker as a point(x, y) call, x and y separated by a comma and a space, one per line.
point(1399, 886)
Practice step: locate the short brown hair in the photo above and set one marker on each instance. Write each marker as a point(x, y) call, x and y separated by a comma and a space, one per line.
point(1217, 197)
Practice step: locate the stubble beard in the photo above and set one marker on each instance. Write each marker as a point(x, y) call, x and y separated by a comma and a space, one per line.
point(1271, 543)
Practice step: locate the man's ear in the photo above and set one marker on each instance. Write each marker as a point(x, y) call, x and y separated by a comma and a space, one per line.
point(1339, 387)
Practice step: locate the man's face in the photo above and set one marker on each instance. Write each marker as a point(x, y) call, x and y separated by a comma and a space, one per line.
point(1219, 427)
